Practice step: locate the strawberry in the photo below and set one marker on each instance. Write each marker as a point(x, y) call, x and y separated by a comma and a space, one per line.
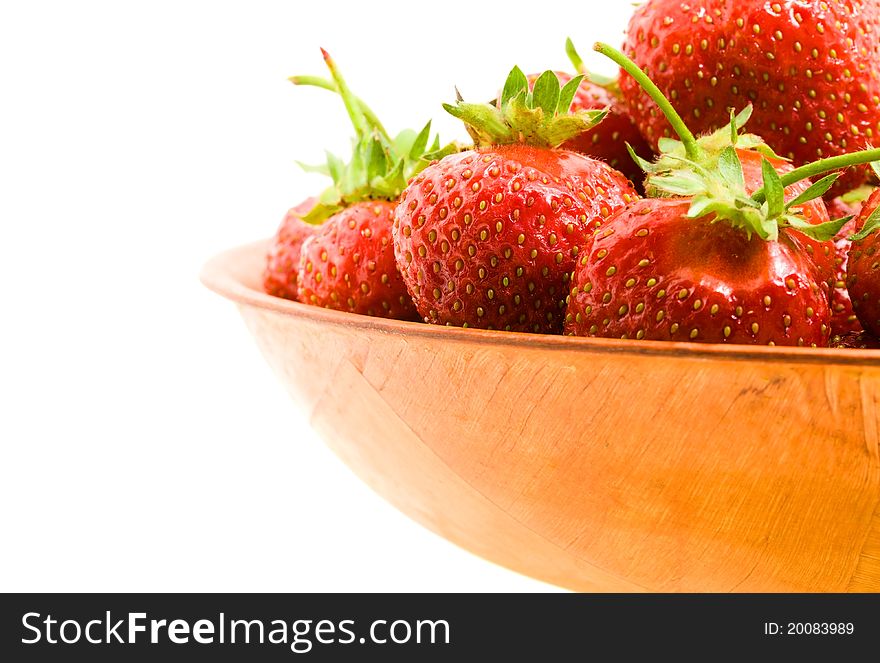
point(282, 261)
point(488, 237)
point(810, 67)
point(608, 141)
point(655, 273)
point(347, 262)
point(714, 260)
point(863, 272)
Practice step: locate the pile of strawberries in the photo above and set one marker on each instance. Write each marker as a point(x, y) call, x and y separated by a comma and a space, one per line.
point(637, 208)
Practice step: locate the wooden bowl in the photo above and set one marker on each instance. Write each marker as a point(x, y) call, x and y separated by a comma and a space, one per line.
point(598, 465)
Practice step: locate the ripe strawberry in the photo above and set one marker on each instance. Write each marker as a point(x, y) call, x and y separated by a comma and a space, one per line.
point(715, 260)
point(608, 141)
point(656, 273)
point(810, 67)
point(487, 238)
point(347, 262)
point(282, 260)
point(863, 273)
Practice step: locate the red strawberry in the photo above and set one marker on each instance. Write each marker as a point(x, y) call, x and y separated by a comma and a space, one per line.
point(282, 261)
point(488, 237)
point(718, 261)
point(655, 273)
point(348, 264)
point(863, 271)
point(810, 67)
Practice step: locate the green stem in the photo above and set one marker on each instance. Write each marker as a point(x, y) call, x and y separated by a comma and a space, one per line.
point(822, 167)
point(358, 119)
point(687, 138)
point(323, 83)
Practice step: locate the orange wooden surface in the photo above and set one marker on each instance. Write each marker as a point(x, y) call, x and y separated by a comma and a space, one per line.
point(595, 464)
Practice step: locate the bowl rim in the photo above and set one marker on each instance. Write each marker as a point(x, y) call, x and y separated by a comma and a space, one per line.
point(220, 275)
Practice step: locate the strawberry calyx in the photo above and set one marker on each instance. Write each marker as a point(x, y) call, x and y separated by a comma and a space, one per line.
point(380, 165)
point(708, 170)
point(540, 116)
point(709, 149)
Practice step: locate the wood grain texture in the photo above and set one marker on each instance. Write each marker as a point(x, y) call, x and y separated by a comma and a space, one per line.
point(594, 464)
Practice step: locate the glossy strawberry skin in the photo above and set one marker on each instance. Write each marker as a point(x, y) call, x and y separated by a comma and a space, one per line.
point(282, 260)
point(863, 271)
point(608, 140)
point(348, 265)
point(810, 67)
point(652, 273)
point(487, 238)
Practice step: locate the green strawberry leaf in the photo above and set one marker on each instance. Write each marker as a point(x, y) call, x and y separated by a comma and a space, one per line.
point(768, 228)
point(757, 143)
point(730, 168)
point(742, 118)
point(703, 205)
point(773, 189)
point(822, 232)
point(546, 92)
point(645, 165)
point(734, 130)
point(742, 201)
point(403, 142)
point(816, 190)
point(516, 84)
point(561, 129)
point(377, 160)
point(670, 145)
point(336, 167)
point(485, 122)
point(680, 183)
point(871, 224)
point(436, 153)
point(566, 96)
point(420, 143)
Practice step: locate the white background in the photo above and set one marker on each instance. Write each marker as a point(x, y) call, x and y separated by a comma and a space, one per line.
point(146, 446)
